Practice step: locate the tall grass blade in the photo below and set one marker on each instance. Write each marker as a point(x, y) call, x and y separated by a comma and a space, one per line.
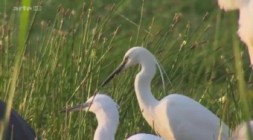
point(24, 17)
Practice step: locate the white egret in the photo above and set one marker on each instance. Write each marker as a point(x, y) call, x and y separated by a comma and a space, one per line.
point(175, 117)
point(245, 30)
point(106, 111)
point(241, 132)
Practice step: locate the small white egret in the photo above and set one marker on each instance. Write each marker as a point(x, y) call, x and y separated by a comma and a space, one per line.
point(175, 117)
point(106, 111)
point(241, 132)
point(245, 30)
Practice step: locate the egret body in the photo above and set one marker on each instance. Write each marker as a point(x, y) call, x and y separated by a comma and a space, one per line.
point(175, 117)
point(106, 111)
point(245, 30)
point(241, 132)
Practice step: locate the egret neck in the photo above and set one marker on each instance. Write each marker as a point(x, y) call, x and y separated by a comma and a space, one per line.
point(108, 120)
point(142, 86)
point(146, 100)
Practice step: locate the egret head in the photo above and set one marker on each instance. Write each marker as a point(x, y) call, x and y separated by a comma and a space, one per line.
point(95, 104)
point(132, 57)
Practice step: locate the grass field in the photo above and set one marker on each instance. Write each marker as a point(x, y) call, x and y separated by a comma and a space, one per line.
point(70, 47)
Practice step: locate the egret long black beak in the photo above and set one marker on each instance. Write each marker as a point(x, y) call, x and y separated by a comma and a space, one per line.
point(115, 72)
point(77, 107)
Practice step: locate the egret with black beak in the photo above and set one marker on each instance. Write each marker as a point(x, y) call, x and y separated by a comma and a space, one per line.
point(106, 111)
point(175, 117)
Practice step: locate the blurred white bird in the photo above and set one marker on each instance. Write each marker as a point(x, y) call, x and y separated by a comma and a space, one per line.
point(175, 117)
point(106, 111)
point(229, 4)
point(245, 30)
point(241, 132)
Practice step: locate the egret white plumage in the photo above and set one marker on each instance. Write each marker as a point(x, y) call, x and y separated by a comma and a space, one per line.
point(241, 132)
point(106, 111)
point(245, 30)
point(144, 136)
point(175, 117)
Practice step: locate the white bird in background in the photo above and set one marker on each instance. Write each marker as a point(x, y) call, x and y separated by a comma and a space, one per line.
point(241, 132)
point(245, 30)
point(106, 111)
point(175, 117)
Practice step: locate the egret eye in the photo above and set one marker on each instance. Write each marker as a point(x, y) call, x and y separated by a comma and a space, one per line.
point(126, 58)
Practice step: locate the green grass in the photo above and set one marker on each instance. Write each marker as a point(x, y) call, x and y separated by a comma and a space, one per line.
point(72, 47)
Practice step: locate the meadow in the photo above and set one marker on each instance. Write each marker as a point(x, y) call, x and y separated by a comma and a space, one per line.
point(62, 53)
